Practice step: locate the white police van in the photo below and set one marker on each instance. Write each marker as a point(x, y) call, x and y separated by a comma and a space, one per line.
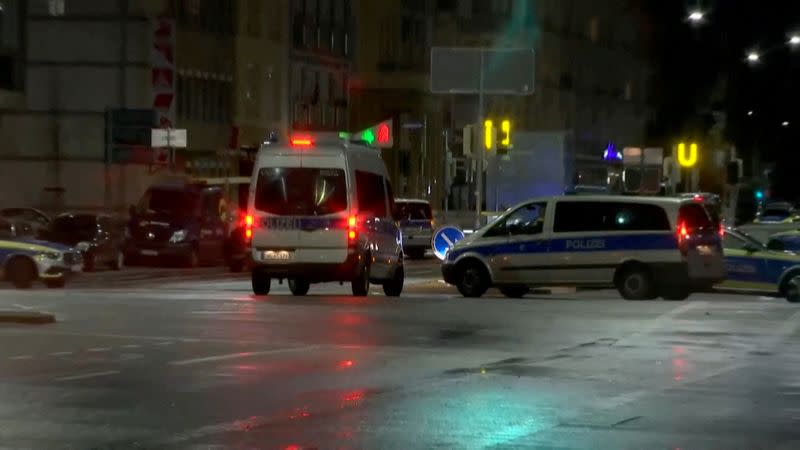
point(319, 210)
point(644, 246)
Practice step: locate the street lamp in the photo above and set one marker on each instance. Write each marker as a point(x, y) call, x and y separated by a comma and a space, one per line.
point(750, 113)
point(753, 57)
point(785, 123)
point(794, 40)
point(696, 15)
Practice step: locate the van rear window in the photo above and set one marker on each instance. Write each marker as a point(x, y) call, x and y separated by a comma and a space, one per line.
point(609, 216)
point(301, 191)
point(694, 217)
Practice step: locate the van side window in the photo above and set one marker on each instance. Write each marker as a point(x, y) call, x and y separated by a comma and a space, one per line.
point(371, 194)
point(609, 216)
point(526, 220)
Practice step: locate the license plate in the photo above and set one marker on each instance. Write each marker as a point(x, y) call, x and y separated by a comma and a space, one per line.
point(149, 253)
point(705, 250)
point(276, 255)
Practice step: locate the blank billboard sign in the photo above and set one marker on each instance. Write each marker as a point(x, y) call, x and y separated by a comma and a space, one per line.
point(458, 70)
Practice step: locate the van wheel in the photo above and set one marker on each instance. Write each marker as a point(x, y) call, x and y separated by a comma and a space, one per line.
point(635, 283)
point(21, 271)
point(360, 285)
point(676, 293)
point(299, 287)
point(473, 281)
point(260, 282)
point(791, 288)
point(394, 287)
point(514, 291)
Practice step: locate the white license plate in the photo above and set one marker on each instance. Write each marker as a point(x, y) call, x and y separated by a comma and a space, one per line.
point(276, 255)
point(149, 253)
point(705, 250)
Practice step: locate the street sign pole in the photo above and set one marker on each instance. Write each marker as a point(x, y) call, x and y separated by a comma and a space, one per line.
point(479, 162)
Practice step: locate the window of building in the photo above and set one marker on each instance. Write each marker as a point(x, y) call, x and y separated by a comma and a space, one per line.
point(56, 7)
point(371, 194)
point(254, 18)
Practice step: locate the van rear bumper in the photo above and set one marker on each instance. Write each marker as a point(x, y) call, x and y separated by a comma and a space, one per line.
point(313, 272)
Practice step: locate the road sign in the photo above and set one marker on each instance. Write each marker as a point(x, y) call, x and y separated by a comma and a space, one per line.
point(168, 137)
point(444, 239)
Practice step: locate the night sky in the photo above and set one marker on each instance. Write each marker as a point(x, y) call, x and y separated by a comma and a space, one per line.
point(692, 61)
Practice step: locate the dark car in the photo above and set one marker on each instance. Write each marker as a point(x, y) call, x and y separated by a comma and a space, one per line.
point(14, 230)
point(98, 237)
point(177, 222)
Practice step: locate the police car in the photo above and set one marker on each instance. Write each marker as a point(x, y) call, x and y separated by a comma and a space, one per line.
point(644, 246)
point(24, 261)
point(752, 266)
point(320, 209)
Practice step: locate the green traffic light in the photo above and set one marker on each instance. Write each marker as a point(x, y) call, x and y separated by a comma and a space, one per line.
point(368, 136)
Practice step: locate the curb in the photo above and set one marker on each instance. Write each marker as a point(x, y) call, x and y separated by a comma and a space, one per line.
point(29, 317)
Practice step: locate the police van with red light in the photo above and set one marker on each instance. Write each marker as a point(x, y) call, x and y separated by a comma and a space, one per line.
point(646, 247)
point(320, 210)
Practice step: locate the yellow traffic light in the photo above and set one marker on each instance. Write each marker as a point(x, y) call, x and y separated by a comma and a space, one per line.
point(505, 126)
point(487, 135)
point(687, 160)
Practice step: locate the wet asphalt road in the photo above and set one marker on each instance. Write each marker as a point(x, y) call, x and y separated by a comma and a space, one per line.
point(199, 363)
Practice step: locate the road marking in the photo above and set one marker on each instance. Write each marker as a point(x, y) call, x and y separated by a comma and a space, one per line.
point(26, 308)
point(21, 357)
point(60, 353)
point(186, 362)
point(88, 375)
point(131, 346)
point(164, 343)
point(99, 349)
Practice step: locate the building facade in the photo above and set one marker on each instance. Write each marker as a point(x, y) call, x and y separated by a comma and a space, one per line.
point(217, 68)
point(591, 82)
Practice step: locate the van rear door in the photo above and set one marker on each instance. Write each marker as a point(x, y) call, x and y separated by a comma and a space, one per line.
point(301, 206)
point(700, 242)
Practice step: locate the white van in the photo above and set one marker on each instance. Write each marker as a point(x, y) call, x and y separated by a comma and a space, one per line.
point(644, 246)
point(319, 210)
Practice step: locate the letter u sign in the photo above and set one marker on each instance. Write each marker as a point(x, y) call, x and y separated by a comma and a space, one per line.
point(687, 160)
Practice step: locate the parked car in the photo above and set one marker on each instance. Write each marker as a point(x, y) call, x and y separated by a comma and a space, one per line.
point(416, 223)
point(777, 212)
point(25, 260)
point(15, 229)
point(37, 220)
point(98, 237)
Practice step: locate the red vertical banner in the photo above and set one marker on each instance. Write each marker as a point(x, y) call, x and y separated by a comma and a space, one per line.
point(162, 58)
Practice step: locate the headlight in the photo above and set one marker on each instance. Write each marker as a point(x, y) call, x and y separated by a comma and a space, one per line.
point(50, 255)
point(83, 246)
point(178, 236)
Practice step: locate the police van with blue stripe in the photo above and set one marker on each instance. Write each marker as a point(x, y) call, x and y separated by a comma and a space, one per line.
point(320, 209)
point(646, 247)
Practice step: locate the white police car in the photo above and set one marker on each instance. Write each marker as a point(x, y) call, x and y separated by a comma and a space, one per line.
point(23, 261)
point(644, 246)
point(319, 209)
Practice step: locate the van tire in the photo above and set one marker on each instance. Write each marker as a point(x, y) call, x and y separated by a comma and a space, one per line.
point(299, 287)
point(514, 291)
point(22, 272)
point(261, 283)
point(473, 280)
point(635, 283)
point(790, 287)
point(360, 284)
point(394, 287)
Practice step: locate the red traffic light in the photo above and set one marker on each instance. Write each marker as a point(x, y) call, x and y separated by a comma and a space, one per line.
point(384, 134)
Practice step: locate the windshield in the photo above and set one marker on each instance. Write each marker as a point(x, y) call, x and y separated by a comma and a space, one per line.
point(168, 201)
point(83, 225)
point(301, 191)
point(413, 211)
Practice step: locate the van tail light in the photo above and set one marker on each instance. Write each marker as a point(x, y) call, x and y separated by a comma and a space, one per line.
point(248, 227)
point(682, 234)
point(721, 230)
point(352, 229)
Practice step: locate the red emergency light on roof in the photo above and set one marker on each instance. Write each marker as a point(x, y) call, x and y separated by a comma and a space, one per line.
point(301, 141)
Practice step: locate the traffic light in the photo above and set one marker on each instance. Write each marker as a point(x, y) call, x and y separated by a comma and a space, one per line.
point(494, 139)
point(687, 160)
point(759, 194)
point(489, 136)
point(379, 135)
